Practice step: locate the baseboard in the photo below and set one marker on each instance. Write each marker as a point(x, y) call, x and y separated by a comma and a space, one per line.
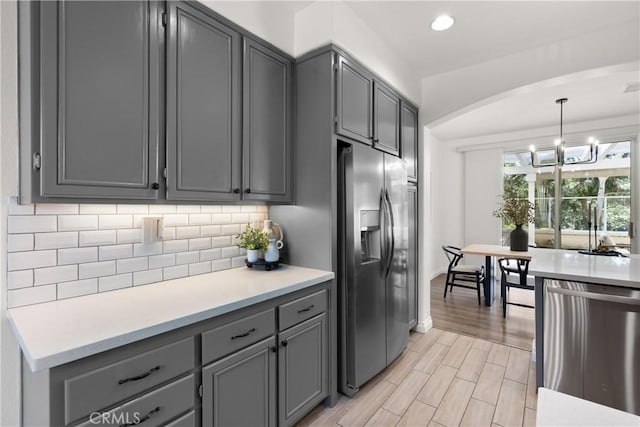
point(438, 273)
point(423, 327)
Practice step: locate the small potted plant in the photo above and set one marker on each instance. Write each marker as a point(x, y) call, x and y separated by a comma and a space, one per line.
point(519, 211)
point(254, 240)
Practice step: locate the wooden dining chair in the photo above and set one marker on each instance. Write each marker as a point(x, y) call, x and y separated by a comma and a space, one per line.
point(461, 274)
point(513, 274)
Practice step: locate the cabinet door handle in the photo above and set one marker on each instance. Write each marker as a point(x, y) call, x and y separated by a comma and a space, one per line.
point(274, 348)
point(155, 186)
point(247, 190)
point(143, 419)
point(302, 310)
point(284, 343)
point(236, 191)
point(246, 334)
point(141, 376)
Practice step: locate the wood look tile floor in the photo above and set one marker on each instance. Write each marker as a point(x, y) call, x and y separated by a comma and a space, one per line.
point(442, 379)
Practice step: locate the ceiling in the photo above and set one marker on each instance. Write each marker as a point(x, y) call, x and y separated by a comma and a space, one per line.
point(486, 30)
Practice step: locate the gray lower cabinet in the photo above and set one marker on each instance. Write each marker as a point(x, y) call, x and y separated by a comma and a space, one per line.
point(409, 139)
point(91, 101)
point(354, 101)
point(386, 119)
point(203, 107)
point(302, 368)
point(412, 256)
point(240, 390)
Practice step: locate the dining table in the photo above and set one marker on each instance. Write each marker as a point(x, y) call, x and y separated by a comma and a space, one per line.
point(491, 252)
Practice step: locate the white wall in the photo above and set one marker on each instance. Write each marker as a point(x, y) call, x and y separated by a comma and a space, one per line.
point(323, 22)
point(467, 88)
point(9, 353)
point(270, 20)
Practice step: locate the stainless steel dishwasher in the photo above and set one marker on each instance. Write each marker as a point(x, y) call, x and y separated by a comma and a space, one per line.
point(592, 342)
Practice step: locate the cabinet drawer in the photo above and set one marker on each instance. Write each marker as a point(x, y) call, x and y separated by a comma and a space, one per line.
point(233, 336)
point(301, 309)
point(111, 384)
point(153, 408)
point(188, 420)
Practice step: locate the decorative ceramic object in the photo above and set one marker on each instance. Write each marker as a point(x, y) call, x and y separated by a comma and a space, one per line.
point(252, 255)
point(272, 254)
point(519, 239)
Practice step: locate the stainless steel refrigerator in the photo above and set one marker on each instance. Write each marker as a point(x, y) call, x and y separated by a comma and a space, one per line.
point(372, 275)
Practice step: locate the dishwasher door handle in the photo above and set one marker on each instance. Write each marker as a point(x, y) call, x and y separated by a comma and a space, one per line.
point(595, 296)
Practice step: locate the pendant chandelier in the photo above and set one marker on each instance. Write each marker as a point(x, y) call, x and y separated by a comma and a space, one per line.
point(560, 145)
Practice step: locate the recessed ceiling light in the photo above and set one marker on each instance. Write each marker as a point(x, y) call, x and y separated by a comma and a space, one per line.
point(442, 22)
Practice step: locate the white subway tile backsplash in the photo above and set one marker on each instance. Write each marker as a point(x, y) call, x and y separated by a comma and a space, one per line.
point(31, 259)
point(63, 273)
point(210, 254)
point(133, 209)
point(221, 264)
point(222, 218)
point(141, 249)
point(115, 252)
point(200, 243)
point(175, 272)
point(187, 257)
point(59, 240)
point(176, 220)
point(32, 224)
point(56, 209)
point(77, 288)
point(166, 260)
point(111, 283)
point(96, 269)
point(77, 222)
point(32, 295)
point(126, 235)
point(210, 230)
point(199, 268)
point(19, 242)
point(98, 209)
point(77, 255)
point(188, 209)
point(132, 264)
point(17, 209)
point(200, 219)
point(262, 208)
point(147, 276)
point(19, 279)
point(175, 246)
point(65, 250)
point(115, 221)
point(187, 232)
point(97, 238)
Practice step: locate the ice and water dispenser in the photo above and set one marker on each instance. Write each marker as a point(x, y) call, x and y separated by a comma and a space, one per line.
point(369, 235)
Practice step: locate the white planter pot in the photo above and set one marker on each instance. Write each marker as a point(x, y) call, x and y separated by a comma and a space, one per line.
point(252, 255)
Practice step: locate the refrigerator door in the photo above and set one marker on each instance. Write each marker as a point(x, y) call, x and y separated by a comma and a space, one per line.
point(361, 284)
point(397, 320)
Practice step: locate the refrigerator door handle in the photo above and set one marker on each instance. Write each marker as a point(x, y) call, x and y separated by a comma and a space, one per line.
point(390, 232)
point(384, 238)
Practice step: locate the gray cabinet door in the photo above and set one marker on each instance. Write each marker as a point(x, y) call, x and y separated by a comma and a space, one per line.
point(409, 139)
point(267, 85)
point(412, 256)
point(100, 91)
point(386, 119)
point(203, 107)
point(302, 368)
point(354, 101)
point(240, 390)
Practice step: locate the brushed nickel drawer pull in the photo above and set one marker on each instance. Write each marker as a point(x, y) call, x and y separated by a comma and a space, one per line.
point(246, 334)
point(143, 419)
point(302, 310)
point(141, 376)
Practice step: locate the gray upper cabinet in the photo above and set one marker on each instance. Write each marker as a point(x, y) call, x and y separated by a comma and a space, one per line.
point(302, 368)
point(240, 390)
point(354, 101)
point(386, 119)
point(97, 81)
point(412, 256)
point(203, 107)
point(267, 99)
point(409, 139)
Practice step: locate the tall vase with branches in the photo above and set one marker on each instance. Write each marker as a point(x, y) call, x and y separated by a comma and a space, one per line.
point(519, 211)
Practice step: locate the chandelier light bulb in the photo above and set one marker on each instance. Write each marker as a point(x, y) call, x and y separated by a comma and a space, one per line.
point(557, 141)
point(532, 148)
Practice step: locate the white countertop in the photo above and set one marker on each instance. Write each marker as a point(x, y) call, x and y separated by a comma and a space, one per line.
point(58, 332)
point(559, 409)
point(571, 265)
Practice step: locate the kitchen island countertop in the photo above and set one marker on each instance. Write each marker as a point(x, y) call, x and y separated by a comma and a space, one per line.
point(57, 332)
